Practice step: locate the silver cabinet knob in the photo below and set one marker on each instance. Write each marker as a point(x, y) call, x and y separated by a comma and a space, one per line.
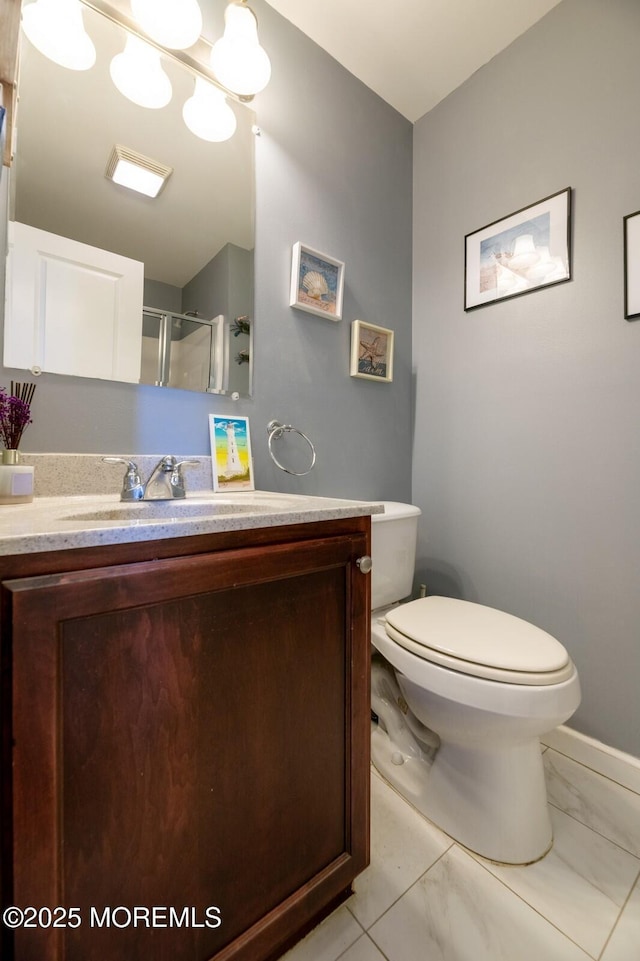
point(364, 564)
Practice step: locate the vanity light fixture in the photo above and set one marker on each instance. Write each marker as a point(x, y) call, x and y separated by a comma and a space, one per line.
point(207, 113)
point(238, 60)
point(236, 66)
point(56, 29)
point(175, 24)
point(137, 73)
point(131, 169)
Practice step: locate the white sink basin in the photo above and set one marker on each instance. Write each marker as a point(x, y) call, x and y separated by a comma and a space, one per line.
point(213, 506)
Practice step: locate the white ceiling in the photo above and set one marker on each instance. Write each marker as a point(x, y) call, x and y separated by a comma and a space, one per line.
point(413, 53)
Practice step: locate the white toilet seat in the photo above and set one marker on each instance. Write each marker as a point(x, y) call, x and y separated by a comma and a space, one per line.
point(479, 641)
point(485, 694)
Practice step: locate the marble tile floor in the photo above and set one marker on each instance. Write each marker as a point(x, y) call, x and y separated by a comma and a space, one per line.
point(425, 898)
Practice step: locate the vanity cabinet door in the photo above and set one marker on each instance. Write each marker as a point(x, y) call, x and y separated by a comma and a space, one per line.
point(189, 734)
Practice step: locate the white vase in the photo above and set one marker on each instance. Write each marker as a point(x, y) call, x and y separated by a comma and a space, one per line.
point(16, 480)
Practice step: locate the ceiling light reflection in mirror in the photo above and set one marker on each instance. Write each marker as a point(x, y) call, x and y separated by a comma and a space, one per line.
point(139, 76)
point(131, 169)
point(207, 113)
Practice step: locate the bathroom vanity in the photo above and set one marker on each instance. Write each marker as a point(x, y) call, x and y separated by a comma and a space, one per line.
point(185, 729)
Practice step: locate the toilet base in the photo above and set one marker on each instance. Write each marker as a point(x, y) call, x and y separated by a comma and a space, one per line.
point(493, 802)
point(409, 777)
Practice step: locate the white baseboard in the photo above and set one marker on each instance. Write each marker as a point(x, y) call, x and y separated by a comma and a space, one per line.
point(605, 760)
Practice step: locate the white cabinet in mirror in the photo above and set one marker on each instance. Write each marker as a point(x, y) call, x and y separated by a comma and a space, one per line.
point(190, 249)
point(71, 308)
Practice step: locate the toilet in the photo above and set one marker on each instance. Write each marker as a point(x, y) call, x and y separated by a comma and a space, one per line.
point(462, 694)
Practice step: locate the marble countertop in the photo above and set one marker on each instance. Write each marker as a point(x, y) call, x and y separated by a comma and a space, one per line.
point(62, 523)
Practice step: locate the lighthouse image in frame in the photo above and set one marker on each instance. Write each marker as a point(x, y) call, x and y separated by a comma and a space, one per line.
point(231, 453)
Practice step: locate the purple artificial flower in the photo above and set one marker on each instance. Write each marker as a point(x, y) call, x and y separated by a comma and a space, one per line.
point(15, 415)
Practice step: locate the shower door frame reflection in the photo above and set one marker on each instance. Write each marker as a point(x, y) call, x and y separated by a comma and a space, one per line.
point(215, 379)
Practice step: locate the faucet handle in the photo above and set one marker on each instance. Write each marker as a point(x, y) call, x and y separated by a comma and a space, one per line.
point(166, 481)
point(177, 477)
point(132, 489)
point(169, 463)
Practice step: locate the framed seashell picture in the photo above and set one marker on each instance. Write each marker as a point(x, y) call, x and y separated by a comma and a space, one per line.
point(317, 282)
point(371, 352)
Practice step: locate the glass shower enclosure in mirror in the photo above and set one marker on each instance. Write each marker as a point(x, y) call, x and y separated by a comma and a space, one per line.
point(193, 325)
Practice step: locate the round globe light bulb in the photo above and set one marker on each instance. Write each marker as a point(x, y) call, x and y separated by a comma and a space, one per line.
point(207, 113)
point(137, 73)
point(56, 29)
point(176, 24)
point(238, 60)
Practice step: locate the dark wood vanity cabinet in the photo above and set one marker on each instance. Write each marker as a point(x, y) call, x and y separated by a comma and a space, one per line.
point(186, 750)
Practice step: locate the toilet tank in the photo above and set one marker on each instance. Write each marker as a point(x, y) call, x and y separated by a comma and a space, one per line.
point(393, 552)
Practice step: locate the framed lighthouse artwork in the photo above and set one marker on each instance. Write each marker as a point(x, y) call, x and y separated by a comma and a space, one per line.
point(232, 464)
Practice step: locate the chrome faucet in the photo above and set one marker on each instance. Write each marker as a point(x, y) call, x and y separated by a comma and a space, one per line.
point(165, 483)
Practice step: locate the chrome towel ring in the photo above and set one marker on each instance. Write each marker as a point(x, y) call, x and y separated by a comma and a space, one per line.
point(276, 430)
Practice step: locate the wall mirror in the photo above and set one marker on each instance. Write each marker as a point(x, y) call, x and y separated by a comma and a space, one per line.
point(195, 239)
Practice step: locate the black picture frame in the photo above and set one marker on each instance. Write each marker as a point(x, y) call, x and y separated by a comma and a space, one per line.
point(522, 252)
point(631, 231)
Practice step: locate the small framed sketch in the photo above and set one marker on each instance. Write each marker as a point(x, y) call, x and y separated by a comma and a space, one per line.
point(371, 352)
point(317, 282)
point(232, 464)
point(519, 253)
point(632, 266)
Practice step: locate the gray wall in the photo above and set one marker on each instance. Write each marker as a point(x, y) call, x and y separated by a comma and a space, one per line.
point(162, 296)
point(223, 286)
point(334, 171)
point(527, 438)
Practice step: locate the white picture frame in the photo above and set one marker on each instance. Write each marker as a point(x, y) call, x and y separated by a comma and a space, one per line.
point(231, 460)
point(371, 352)
point(317, 282)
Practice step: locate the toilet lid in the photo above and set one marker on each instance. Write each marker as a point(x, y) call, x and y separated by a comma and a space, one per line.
point(478, 640)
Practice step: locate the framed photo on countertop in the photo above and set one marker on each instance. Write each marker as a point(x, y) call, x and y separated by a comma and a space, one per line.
point(232, 464)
